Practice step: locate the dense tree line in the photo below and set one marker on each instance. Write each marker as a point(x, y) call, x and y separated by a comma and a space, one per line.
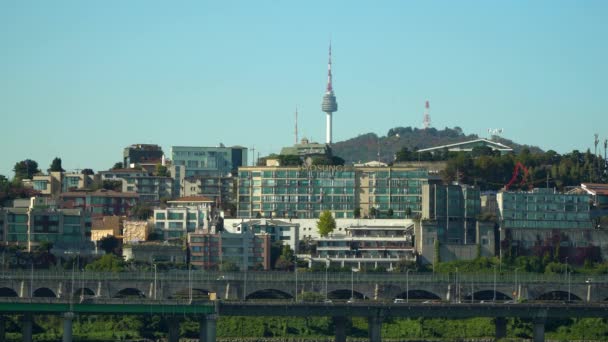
point(491, 171)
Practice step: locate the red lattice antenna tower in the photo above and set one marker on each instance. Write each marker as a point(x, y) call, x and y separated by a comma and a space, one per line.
point(426, 122)
point(519, 167)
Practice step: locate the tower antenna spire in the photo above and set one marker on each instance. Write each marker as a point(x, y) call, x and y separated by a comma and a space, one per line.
point(296, 124)
point(426, 122)
point(329, 104)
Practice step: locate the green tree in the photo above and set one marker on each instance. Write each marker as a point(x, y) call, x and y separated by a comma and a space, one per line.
point(228, 266)
point(290, 160)
point(56, 165)
point(161, 171)
point(25, 169)
point(326, 223)
point(88, 172)
point(141, 211)
point(286, 259)
point(112, 185)
point(117, 165)
point(373, 212)
point(45, 246)
point(390, 213)
point(107, 263)
point(108, 244)
point(357, 212)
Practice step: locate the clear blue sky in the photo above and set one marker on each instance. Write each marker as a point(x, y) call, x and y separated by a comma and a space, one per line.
point(81, 80)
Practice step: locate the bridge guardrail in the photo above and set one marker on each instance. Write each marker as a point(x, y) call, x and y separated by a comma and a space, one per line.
point(274, 276)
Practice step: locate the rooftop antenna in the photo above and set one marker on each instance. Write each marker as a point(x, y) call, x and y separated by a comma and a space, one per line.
point(296, 125)
point(494, 132)
point(253, 156)
point(426, 122)
point(605, 162)
point(378, 145)
point(596, 141)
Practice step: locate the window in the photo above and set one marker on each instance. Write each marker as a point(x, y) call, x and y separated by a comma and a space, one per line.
point(160, 216)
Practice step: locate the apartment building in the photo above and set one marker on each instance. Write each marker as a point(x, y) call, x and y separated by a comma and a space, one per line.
point(306, 191)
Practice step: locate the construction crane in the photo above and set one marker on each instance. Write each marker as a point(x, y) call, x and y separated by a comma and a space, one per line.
point(519, 167)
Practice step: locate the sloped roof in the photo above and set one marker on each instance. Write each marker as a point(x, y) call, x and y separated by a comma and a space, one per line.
point(462, 146)
point(192, 199)
point(595, 188)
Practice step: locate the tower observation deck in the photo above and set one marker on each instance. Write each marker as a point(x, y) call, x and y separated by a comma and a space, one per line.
point(329, 104)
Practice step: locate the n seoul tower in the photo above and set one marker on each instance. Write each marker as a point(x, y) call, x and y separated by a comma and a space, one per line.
point(329, 104)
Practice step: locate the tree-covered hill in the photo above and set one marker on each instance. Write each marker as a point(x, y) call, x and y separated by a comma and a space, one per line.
point(366, 147)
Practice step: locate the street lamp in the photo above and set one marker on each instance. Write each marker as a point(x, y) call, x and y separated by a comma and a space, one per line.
point(568, 278)
point(588, 281)
point(154, 281)
point(494, 298)
point(295, 268)
point(516, 292)
point(190, 283)
point(457, 296)
point(352, 284)
point(326, 267)
point(407, 285)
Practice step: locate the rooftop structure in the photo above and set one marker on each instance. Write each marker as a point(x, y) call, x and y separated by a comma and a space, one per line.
point(307, 149)
point(467, 146)
point(138, 153)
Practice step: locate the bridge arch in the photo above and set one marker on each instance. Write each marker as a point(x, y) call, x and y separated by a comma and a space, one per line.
point(486, 295)
point(418, 294)
point(44, 292)
point(197, 294)
point(84, 291)
point(129, 292)
point(269, 294)
point(8, 292)
point(557, 295)
point(345, 294)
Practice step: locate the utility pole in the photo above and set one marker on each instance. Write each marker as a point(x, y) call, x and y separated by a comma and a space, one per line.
point(605, 163)
point(596, 141)
point(252, 155)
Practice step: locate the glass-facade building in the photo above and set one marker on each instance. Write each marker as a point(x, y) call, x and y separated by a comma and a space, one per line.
point(63, 227)
point(544, 208)
point(208, 161)
point(305, 192)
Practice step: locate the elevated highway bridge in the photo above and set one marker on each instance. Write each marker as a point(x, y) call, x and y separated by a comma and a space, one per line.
point(176, 294)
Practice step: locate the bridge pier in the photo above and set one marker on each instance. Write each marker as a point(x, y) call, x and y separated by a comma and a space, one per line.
point(539, 330)
point(2, 329)
point(173, 325)
point(374, 328)
point(207, 328)
point(67, 326)
point(27, 321)
point(501, 327)
point(340, 327)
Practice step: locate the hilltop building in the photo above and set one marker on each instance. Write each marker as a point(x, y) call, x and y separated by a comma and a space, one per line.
point(543, 221)
point(306, 191)
point(468, 146)
point(141, 153)
point(99, 202)
point(55, 183)
point(67, 229)
point(245, 250)
point(367, 247)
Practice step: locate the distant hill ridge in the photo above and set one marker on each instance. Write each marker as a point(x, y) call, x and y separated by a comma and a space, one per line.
point(366, 147)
